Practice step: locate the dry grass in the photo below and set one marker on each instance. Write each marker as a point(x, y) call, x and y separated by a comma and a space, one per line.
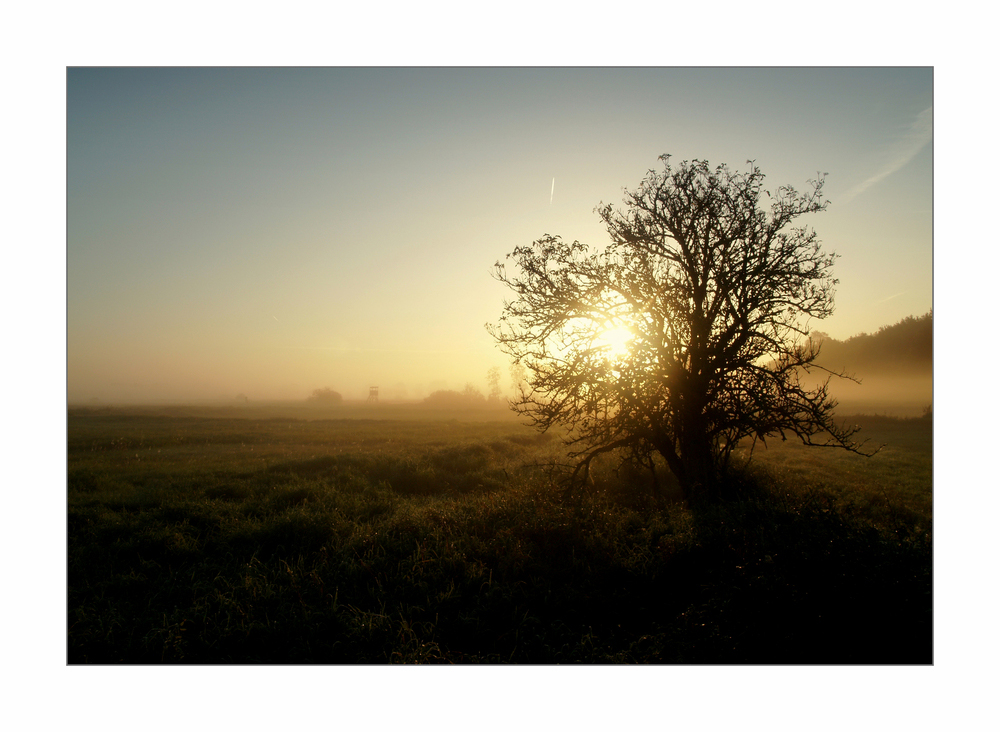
point(284, 540)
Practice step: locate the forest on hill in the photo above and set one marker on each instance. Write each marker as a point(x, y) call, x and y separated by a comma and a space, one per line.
point(906, 346)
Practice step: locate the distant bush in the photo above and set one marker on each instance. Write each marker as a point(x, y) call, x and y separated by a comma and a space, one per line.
point(325, 396)
point(450, 399)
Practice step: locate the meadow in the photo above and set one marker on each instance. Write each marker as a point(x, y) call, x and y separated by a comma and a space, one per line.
point(399, 535)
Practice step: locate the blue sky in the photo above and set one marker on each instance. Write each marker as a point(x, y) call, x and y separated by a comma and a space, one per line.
point(271, 231)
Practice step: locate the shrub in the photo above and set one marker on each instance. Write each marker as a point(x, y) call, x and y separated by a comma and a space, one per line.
point(450, 399)
point(325, 396)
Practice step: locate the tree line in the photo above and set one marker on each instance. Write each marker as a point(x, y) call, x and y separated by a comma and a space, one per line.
point(904, 346)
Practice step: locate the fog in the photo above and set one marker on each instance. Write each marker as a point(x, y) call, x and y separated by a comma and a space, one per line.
point(894, 366)
point(901, 395)
point(284, 375)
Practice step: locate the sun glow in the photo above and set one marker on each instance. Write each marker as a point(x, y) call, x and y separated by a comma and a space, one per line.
point(615, 341)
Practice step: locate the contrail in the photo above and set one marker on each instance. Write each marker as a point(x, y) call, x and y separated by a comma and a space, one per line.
point(906, 148)
point(891, 297)
point(275, 317)
point(553, 191)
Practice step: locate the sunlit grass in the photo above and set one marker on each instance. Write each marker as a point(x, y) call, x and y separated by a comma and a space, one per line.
point(214, 540)
point(896, 480)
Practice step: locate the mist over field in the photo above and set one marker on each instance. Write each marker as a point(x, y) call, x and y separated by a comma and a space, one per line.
point(895, 366)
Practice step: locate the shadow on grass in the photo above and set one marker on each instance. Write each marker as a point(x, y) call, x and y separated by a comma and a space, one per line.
point(341, 559)
point(796, 579)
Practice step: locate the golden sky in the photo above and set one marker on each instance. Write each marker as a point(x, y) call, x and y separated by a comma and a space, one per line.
point(269, 231)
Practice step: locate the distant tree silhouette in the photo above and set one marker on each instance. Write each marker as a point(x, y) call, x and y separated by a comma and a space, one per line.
point(493, 379)
point(685, 335)
point(906, 346)
point(325, 396)
point(518, 377)
point(470, 396)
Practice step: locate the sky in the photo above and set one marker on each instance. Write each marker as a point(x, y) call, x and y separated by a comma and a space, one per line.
point(270, 231)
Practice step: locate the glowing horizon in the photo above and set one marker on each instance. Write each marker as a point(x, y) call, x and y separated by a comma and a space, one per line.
point(272, 231)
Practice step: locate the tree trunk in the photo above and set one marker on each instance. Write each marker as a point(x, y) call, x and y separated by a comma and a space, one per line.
point(699, 479)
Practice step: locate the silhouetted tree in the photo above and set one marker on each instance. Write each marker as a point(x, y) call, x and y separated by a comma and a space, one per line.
point(470, 396)
point(684, 335)
point(493, 379)
point(325, 396)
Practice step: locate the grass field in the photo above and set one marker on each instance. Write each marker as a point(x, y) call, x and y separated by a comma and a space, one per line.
point(199, 535)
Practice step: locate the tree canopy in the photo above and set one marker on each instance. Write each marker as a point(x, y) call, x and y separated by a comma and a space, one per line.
point(685, 334)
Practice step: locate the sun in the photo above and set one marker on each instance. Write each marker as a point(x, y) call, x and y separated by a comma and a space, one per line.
point(615, 341)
